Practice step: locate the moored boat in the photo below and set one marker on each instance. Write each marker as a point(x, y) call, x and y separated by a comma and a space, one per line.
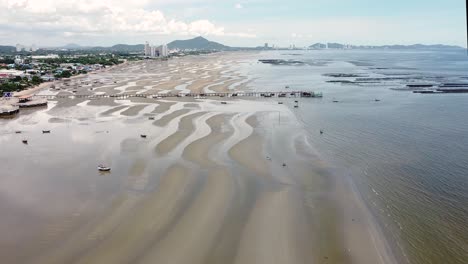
point(103, 168)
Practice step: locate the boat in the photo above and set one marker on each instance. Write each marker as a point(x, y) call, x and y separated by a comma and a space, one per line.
point(321, 131)
point(296, 106)
point(223, 102)
point(103, 168)
point(18, 132)
point(45, 131)
point(143, 136)
point(287, 87)
point(377, 100)
point(335, 101)
point(280, 102)
point(25, 141)
point(151, 118)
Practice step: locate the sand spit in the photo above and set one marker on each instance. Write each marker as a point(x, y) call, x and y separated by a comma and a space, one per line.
point(276, 231)
point(242, 152)
point(164, 120)
point(162, 107)
point(196, 230)
point(198, 150)
point(113, 110)
point(186, 128)
point(134, 110)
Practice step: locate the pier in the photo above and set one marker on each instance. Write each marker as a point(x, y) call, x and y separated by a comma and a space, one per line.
point(288, 94)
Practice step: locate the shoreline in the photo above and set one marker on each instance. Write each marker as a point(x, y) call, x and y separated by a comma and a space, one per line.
point(44, 85)
point(204, 170)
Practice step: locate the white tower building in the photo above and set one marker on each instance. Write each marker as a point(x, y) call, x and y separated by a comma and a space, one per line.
point(147, 49)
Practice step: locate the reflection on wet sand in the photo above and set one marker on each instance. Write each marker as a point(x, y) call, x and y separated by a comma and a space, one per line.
point(197, 189)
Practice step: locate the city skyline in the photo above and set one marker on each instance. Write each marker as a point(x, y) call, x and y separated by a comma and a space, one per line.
point(56, 23)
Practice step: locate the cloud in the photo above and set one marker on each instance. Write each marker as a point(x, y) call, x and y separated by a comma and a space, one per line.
point(88, 17)
point(238, 6)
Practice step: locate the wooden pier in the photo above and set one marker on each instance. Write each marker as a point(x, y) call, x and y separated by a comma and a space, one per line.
point(288, 94)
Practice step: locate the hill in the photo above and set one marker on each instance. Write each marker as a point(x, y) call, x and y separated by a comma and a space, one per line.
point(123, 48)
point(198, 43)
point(7, 49)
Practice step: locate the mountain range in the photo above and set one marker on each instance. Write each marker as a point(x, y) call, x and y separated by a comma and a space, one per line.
point(200, 43)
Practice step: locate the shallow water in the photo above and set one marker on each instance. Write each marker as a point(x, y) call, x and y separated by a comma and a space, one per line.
point(407, 154)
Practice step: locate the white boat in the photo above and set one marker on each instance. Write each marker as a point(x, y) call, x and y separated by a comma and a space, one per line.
point(103, 168)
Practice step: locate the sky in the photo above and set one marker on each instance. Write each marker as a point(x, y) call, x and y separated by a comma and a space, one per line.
point(235, 23)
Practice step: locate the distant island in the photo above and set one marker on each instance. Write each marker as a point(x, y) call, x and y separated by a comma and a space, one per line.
point(319, 46)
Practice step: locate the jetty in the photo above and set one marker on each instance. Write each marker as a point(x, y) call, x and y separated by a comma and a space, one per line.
point(281, 94)
point(29, 101)
point(8, 110)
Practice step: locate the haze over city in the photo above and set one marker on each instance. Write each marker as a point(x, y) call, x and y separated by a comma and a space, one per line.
point(300, 22)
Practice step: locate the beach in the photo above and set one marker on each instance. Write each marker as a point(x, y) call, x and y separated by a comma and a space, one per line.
point(211, 183)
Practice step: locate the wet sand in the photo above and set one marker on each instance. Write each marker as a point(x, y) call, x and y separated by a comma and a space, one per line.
point(207, 185)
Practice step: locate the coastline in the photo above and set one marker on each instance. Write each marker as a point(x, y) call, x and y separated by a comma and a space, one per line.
point(200, 183)
point(33, 90)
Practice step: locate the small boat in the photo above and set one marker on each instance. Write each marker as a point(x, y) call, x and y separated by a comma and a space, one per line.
point(223, 102)
point(321, 131)
point(45, 131)
point(143, 136)
point(151, 118)
point(280, 102)
point(287, 87)
point(296, 106)
point(377, 100)
point(268, 158)
point(296, 101)
point(103, 168)
point(24, 141)
point(18, 132)
point(336, 101)
point(284, 164)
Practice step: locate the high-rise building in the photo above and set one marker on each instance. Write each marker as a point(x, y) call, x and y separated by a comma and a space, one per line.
point(153, 51)
point(147, 49)
point(164, 52)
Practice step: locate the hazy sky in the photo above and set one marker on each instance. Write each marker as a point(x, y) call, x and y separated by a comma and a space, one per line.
point(235, 23)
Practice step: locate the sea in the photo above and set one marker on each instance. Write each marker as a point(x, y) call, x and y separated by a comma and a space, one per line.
point(406, 153)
